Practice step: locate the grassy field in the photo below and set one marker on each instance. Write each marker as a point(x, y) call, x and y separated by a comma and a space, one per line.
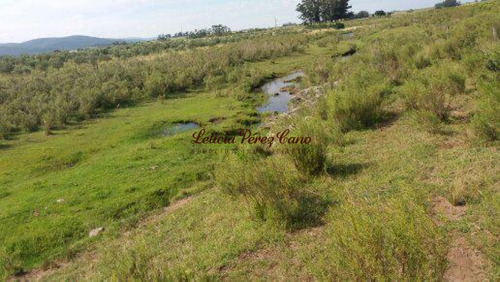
point(400, 183)
point(110, 171)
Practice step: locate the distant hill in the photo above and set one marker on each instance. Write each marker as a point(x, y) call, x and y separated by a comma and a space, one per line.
point(46, 45)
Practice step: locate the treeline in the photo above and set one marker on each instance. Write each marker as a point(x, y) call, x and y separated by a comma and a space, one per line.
point(53, 97)
point(215, 30)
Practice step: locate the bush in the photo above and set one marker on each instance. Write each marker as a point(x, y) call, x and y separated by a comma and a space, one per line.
point(383, 241)
point(338, 25)
point(362, 14)
point(430, 92)
point(357, 103)
point(486, 120)
point(387, 61)
point(273, 187)
point(310, 158)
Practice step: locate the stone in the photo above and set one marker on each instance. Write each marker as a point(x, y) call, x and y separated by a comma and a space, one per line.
point(95, 232)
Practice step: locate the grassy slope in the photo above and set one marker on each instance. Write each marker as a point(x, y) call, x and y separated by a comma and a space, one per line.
point(109, 171)
point(102, 171)
point(212, 235)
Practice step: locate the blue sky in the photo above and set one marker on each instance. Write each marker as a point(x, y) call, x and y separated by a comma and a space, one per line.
point(22, 20)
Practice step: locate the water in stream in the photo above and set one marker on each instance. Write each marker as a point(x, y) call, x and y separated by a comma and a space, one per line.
point(278, 99)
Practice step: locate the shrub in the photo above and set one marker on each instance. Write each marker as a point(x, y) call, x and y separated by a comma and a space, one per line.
point(486, 120)
point(362, 14)
point(430, 92)
point(387, 61)
point(319, 72)
point(273, 187)
point(338, 25)
point(426, 120)
point(357, 103)
point(396, 240)
point(310, 158)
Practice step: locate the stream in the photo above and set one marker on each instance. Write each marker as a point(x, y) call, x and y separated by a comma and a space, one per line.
point(278, 96)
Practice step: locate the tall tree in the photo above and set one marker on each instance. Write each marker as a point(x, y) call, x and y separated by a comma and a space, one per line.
point(341, 9)
point(310, 10)
point(314, 11)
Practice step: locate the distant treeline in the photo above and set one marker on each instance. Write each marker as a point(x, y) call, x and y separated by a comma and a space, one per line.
point(216, 30)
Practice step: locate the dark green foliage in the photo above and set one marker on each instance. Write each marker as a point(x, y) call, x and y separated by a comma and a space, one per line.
point(339, 25)
point(447, 4)
point(315, 11)
point(362, 14)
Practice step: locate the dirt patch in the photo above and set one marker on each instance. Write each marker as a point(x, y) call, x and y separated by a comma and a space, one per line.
point(466, 263)
point(442, 206)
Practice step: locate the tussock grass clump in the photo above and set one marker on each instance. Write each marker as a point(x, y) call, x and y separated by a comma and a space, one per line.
point(486, 120)
point(430, 93)
point(387, 61)
point(396, 240)
point(273, 187)
point(357, 103)
point(310, 158)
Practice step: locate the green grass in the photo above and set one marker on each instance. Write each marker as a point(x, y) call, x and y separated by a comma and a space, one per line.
point(109, 171)
point(388, 151)
point(383, 182)
point(106, 171)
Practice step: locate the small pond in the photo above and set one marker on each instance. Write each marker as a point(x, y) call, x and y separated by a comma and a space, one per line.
point(172, 129)
point(279, 95)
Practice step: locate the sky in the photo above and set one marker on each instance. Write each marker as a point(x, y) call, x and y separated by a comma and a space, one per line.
point(22, 20)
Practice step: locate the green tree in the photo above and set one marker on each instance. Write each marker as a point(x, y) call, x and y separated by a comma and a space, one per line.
point(310, 10)
point(220, 29)
point(314, 11)
point(447, 4)
point(341, 9)
point(362, 14)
